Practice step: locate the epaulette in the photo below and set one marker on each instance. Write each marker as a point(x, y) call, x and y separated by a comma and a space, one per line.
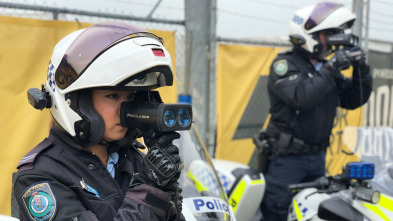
point(27, 161)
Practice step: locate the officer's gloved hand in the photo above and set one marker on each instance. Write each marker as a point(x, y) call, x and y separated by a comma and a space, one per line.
point(162, 162)
point(358, 56)
point(341, 60)
point(161, 167)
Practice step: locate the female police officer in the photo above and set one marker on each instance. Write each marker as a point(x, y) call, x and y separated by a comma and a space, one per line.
point(89, 168)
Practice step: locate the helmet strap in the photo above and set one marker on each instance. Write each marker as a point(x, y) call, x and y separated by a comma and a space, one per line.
point(91, 128)
point(82, 130)
point(317, 51)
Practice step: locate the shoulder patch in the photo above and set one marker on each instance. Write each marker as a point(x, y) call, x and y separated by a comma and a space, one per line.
point(40, 202)
point(280, 67)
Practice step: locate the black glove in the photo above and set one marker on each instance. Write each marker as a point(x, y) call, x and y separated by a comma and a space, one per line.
point(341, 60)
point(357, 56)
point(162, 164)
point(161, 168)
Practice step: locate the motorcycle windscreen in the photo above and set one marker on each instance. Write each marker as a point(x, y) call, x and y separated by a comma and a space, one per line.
point(337, 209)
point(203, 195)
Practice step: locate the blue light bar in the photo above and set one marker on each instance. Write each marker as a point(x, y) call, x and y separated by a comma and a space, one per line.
point(360, 170)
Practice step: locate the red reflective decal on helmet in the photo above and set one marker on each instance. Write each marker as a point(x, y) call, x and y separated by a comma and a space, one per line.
point(158, 52)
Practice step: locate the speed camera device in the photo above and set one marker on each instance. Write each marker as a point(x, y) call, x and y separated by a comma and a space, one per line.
point(149, 114)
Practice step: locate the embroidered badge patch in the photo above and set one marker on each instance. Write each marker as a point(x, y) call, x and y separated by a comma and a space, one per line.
point(280, 67)
point(40, 202)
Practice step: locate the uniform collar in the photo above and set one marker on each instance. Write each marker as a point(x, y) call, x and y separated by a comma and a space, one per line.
point(59, 136)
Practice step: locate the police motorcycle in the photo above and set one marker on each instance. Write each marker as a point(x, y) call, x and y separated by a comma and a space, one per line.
point(203, 195)
point(244, 187)
point(216, 189)
point(351, 195)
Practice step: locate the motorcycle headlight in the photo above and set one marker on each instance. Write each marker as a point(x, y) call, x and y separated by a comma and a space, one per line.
point(368, 195)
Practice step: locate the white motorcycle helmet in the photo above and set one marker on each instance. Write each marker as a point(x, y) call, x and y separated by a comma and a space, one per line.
point(110, 55)
point(308, 21)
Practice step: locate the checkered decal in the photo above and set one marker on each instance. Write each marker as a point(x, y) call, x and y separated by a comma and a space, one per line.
point(51, 77)
point(297, 19)
point(203, 174)
point(302, 208)
point(226, 183)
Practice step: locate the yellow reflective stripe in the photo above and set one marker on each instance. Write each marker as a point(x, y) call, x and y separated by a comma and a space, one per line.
point(237, 195)
point(386, 202)
point(376, 210)
point(297, 210)
point(200, 187)
point(257, 182)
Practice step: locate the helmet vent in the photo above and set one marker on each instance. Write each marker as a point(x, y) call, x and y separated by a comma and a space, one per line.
point(158, 52)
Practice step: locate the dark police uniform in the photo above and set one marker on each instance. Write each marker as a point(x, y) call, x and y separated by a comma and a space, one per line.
point(60, 180)
point(303, 107)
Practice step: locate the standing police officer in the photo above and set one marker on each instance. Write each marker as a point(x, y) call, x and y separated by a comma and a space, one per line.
point(304, 91)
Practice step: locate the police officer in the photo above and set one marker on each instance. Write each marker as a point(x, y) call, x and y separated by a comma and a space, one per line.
point(89, 168)
point(304, 91)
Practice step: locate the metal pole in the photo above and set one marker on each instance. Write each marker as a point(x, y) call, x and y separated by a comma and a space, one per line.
point(357, 7)
point(212, 122)
point(200, 31)
point(367, 28)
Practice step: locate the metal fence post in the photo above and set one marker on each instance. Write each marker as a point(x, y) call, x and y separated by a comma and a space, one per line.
point(200, 65)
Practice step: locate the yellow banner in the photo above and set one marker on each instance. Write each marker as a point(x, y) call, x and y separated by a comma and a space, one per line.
point(25, 52)
point(239, 69)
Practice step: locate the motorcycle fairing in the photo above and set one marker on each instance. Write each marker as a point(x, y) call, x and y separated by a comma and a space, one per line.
point(336, 208)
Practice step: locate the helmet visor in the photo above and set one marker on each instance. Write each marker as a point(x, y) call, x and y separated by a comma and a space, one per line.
point(320, 12)
point(91, 43)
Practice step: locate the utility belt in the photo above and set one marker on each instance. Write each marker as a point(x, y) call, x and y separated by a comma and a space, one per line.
point(287, 144)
